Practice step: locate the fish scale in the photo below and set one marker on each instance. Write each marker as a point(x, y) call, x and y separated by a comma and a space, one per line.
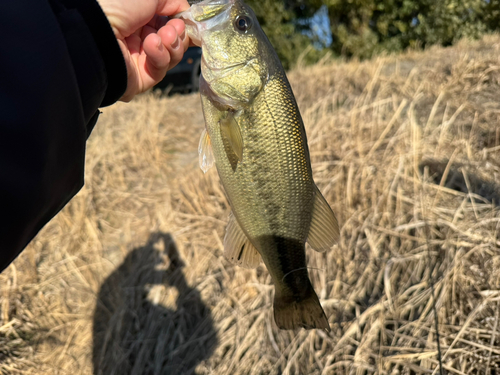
point(255, 135)
point(273, 179)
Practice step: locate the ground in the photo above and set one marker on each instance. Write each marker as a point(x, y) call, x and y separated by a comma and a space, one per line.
point(130, 278)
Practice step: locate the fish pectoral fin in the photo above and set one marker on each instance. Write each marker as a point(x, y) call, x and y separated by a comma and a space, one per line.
point(231, 131)
point(324, 231)
point(237, 247)
point(205, 154)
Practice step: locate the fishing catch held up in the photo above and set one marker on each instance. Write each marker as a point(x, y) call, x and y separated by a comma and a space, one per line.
point(256, 138)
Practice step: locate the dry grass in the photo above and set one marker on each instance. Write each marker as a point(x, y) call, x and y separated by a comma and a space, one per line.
point(130, 277)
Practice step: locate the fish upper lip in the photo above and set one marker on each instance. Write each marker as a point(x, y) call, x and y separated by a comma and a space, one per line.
point(207, 2)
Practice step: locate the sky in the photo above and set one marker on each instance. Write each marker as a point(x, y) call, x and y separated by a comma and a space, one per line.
point(320, 28)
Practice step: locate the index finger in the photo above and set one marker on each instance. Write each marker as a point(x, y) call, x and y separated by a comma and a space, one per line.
point(171, 7)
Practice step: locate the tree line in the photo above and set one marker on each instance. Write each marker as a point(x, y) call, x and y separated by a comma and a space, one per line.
point(362, 28)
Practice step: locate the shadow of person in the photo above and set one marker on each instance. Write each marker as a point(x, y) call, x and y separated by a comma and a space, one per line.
point(147, 319)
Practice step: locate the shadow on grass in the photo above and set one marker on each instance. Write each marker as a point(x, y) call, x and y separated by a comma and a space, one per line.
point(148, 320)
point(455, 179)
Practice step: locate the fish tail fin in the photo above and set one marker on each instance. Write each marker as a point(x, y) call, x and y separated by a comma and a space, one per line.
point(306, 312)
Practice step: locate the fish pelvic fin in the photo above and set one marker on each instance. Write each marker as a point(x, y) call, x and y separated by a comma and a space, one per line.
point(306, 312)
point(205, 154)
point(324, 231)
point(237, 247)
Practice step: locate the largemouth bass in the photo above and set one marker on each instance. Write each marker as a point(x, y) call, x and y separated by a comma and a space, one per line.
point(255, 135)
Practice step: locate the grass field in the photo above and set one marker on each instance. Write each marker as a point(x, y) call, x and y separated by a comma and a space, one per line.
point(130, 279)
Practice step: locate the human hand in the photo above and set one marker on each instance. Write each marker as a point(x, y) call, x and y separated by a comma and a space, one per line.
point(150, 45)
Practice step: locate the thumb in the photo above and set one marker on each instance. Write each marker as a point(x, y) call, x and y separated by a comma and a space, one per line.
point(171, 7)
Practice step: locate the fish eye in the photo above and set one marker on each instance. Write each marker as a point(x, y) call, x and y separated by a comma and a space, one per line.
point(243, 23)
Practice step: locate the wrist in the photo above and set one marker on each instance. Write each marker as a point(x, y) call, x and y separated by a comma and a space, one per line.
point(113, 20)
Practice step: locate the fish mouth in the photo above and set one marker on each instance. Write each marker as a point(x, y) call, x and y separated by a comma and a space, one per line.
point(205, 11)
point(204, 15)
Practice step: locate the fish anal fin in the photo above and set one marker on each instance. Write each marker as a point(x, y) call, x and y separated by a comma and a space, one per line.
point(205, 153)
point(237, 247)
point(324, 231)
point(231, 131)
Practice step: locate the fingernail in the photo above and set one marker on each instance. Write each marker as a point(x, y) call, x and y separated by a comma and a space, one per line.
point(175, 43)
point(160, 44)
point(183, 35)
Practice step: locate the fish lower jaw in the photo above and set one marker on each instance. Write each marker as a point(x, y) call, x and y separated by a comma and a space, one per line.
point(221, 101)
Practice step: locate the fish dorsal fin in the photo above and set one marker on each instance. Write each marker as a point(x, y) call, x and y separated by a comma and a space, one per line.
point(205, 154)
point(324, 231)
point(231, 131)
point(237, 247)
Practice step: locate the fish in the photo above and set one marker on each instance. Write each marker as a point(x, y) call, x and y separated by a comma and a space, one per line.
point(255, 136)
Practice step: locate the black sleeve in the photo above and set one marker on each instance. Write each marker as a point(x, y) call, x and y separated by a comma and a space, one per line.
point(59, 62)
